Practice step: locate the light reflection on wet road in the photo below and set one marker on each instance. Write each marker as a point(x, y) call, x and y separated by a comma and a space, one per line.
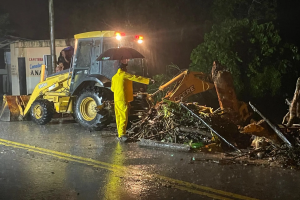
point(61, 160)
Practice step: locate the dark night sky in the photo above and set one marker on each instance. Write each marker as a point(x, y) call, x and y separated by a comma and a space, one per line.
point(289, 20)
point(29, 18)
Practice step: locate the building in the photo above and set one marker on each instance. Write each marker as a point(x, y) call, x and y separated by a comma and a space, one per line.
point(21, 61)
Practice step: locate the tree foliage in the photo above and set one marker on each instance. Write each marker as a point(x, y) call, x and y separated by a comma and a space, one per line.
point(252, 51)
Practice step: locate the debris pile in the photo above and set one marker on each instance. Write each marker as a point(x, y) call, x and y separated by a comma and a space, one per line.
point(231, 127)
point(170, 122)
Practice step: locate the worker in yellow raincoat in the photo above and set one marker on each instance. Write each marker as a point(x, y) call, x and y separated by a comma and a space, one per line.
point(123, 95)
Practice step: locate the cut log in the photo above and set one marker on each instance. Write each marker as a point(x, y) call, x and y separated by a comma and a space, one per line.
point(236, 111)
point(294, 110)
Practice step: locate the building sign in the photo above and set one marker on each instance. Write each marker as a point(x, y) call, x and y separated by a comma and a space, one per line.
point(36, 59)
point(14, 70)
point(35, 65)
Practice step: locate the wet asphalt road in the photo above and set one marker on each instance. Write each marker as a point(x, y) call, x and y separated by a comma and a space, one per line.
point(61, 160)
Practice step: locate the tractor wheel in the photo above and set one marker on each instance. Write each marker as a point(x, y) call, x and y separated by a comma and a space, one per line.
point(84, 108)
point(42, 111)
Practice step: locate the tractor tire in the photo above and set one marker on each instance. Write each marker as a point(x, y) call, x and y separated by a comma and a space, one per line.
point(42, 111)
point(84, 108)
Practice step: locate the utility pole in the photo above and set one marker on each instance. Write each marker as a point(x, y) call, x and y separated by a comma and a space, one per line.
point(52, 38)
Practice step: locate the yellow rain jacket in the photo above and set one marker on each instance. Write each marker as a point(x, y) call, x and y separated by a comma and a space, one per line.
point(123, 94)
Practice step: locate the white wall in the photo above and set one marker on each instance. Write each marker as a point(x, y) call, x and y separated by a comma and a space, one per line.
point(14, 53)
point(34, 52)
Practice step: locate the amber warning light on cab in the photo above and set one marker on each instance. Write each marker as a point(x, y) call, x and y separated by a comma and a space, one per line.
point(119, 35)
point(139, 38)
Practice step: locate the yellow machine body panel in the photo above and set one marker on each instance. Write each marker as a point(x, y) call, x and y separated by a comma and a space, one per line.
point(95, 34)
point(62, 104)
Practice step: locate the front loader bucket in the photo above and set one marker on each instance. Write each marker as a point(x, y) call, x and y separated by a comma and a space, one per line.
point(13, 108)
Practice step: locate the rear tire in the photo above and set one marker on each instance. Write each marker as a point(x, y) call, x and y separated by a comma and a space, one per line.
point(42, 111)
point(84, 108)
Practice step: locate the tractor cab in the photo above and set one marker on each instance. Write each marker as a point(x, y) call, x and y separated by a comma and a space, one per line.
point(88, 46)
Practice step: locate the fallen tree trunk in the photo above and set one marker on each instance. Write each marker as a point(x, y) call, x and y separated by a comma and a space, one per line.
point(294, 110)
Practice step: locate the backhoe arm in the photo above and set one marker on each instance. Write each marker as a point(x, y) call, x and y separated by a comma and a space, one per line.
point(50, 84)
point(190, 83)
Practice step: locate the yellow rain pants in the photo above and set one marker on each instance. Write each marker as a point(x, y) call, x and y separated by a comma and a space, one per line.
point(121, 112)
point(123, 94)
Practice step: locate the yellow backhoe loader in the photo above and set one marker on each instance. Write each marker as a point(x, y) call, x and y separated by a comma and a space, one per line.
point(80, 90)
